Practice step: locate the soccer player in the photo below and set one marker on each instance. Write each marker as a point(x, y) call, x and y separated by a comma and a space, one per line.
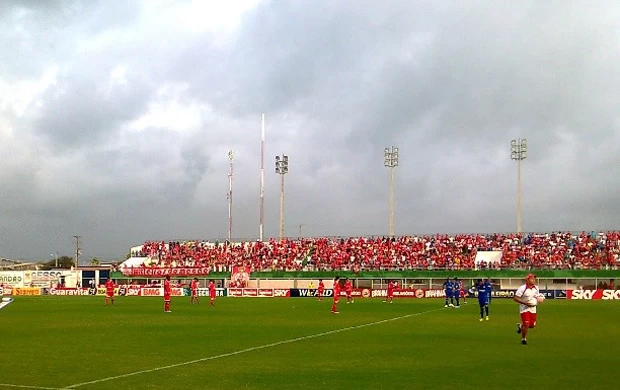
point(483, 300)
point(212, 292)
point(109, 291)
point(193, 286)
point(167, 293)
point(525, 296)
point(448, 286)
point(488, 287)
point(321, 289)
point(336, 295)
point(390, 291)
point(457, 292)
point(348, 288)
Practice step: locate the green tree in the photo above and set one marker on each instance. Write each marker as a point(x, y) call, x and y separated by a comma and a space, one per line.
point(63, 262)
point(95, 261)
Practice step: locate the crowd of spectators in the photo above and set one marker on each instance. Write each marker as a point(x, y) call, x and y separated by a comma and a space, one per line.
point(560, 250)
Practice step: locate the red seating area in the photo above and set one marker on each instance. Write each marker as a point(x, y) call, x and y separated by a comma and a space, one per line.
point(561, 250)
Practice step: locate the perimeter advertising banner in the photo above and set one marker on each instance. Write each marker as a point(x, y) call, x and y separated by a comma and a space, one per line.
point(607, 295)
point(26, 291)
point(258, 292)
point(163, 272)
point(12, 278)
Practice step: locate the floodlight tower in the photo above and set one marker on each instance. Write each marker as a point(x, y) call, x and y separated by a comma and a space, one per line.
point(518, 152)
point(391, 161)
point(231, 157)
point(282, 169)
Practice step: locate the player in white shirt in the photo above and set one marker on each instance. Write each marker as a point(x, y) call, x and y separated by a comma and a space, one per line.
point(526, 296)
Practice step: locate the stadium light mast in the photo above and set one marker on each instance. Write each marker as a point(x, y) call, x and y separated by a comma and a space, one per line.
point(231, 156)
point(391, 161)
point(56, 256)
point(261, 216)
point(518, 152)
point(282, 169)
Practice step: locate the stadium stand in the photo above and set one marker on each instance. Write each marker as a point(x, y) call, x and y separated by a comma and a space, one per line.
point(554, 251)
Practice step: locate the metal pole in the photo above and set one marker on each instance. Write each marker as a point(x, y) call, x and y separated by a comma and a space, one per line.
point(519, 209)
point(281, 206)
point(262, 179)
point(391, 201)
point(56, 259)
point(231, 155)
point(390, 160)
point(77, 251)
point(518, 152)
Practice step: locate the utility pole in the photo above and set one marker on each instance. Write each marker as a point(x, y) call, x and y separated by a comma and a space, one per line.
point(77, 251)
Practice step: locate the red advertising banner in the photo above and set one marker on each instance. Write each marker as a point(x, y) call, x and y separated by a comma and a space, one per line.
point(281, 292)
point(358, 293)
point(162, 272)
point(410, 293)
point(235, 292)
point(6, 290)
point(250, 292)
point(159, 292)
point(593, 294)
point(265, 292)
point(259, 292)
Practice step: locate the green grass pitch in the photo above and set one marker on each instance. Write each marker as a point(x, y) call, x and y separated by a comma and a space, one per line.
point(277, 343)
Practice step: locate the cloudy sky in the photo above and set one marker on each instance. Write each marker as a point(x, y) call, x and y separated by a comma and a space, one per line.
point(116, 118)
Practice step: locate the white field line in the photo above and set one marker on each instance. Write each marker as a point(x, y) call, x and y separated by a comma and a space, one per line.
point(313, 336)
point(29, 387)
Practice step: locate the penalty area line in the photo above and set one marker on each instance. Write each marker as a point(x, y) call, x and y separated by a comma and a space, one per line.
point(241, 351)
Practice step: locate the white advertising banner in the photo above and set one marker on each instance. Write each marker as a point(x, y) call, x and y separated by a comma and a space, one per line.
point(12, 278)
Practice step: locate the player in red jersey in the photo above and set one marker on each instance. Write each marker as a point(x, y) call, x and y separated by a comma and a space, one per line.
point(390, 291)
point(193, 286)
point(167, 293)
point(348, 289)
point(109, 291)
point(321, 289)
point(336, 294)
point(212, 292)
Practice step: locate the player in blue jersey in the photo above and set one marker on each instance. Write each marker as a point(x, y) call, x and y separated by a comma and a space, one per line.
point(457, 292)
point(483, 300)
point(488, 288)
point(448, 287)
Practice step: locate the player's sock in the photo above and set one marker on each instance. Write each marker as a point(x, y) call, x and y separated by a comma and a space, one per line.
point(519, 328)
point(486, 308)
point(481, 314)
